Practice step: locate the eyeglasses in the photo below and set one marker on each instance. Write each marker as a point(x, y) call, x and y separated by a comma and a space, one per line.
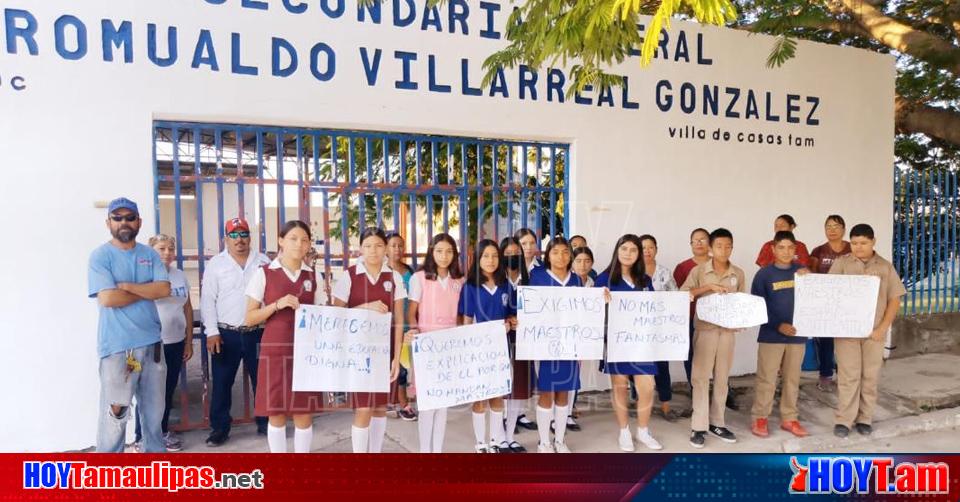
point(130, 218)
point(698, 241)
point(834, 227)
point(238, 235)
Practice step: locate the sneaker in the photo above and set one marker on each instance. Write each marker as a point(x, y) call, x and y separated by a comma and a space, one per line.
point(644, 436)
point(625, 441)
point(217, 438)
point(794, 427)
point(697, 439)
point(561, 447)
point(723, 433)
point(516, 447)
point(572, 424)
point(545, 448)
point(759, 428)
point(407, 414)
point(841, 431)
point(480, 448)
point(523, 421)
point(863, 429)
point(825, 384)
point(172, 442)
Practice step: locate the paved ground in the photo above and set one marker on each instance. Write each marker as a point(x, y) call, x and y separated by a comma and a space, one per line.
point(916, 413)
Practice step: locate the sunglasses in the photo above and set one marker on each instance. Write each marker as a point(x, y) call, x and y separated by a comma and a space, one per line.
point(238, 235)
point(130, 218)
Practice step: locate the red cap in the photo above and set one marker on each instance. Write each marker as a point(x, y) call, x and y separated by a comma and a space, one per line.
point(237, 224)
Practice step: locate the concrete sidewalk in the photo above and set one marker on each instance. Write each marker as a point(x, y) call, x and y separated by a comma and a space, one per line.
point(919, 397)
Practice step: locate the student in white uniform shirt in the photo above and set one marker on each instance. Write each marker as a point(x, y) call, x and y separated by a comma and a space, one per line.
point(662, 279)
point(176, 332)
point(223, 306)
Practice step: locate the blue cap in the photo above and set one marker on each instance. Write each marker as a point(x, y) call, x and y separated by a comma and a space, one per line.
point(123, 203)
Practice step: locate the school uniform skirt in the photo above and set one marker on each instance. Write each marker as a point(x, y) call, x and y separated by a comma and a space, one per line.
point(558, 376)
point(629, 368)
point(523, 378)
point(275, 395)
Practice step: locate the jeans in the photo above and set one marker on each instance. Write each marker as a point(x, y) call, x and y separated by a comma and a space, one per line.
point(825, 356)
point(118, 388)
point(173, 354)
point(235, 347)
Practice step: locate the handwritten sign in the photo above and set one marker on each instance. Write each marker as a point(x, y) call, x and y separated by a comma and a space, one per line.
point(462, 365)
point(835, 306)
point(555, 323)
point(732, 310)
point(341, 350)
point(648, 326)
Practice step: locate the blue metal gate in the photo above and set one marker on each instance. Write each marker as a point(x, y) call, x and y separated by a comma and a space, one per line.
point(341, 181)
point(925, 250)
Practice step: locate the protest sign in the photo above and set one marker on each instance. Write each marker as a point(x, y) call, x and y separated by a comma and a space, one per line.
point(834, 305)
point(648, 326)
point(461, 365)
point(555, 323)
point(341, 350)
point(732, 310)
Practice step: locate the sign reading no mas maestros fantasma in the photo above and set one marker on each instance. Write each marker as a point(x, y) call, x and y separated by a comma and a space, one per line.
point(341, 350)
point(831, 305)
point(732, 310)
point(462, 365)
point(648, 326)
point(555, 323)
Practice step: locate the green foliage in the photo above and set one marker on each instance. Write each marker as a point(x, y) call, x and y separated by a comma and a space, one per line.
point(590, 35)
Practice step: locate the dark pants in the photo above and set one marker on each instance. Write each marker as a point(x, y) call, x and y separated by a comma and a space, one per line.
point(234, 348)
point(173, 355)
point(662, 379)
point(688, 364)
point(825, 355)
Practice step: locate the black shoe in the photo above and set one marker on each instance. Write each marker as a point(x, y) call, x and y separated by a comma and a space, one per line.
point(516, 447)
point(526, 424)
point(572, 424)
point(723, 433)
point(697, 439)
point(732, 403)
point(217, 438)
point(863, 429)
point(841, 431)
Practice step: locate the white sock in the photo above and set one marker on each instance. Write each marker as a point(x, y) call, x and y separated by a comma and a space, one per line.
point(642, 430)
point(425, 428)
point(277, 438)
point(302, 440)
point(480, 427)
point(513, 413)
point(361, 438)
point(378, 427)
point(560, 414)
point(439, 430)
point(496, 427)
point(543, 423)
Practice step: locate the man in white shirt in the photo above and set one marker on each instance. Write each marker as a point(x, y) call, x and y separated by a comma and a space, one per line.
point(222, 309)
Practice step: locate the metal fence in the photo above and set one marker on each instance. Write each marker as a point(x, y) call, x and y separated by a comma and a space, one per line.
point(925, 250)
point(341, 181)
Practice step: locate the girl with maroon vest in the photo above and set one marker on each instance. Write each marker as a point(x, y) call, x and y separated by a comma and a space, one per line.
point(371, 284)
point(434, 304)
point(274, 294)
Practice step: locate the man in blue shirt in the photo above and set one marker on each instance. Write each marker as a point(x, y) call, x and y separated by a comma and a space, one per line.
point(126, 277)
point(780, 350)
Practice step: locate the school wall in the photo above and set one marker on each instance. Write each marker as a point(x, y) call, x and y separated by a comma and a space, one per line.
point(79, 133)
